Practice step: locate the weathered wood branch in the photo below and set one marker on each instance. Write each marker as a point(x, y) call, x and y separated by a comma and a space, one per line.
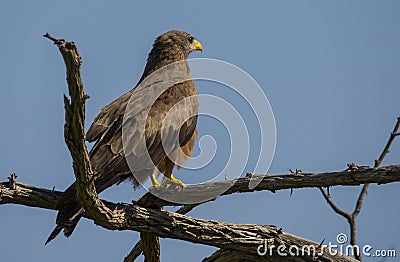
point(392, 136)
point(26, 195)
point(138, 248)
point(45, 198)
point(350, 177)
point(242, 237)
point(151, 247)
point(354, 176)
point(352, 218)
point(74, 132)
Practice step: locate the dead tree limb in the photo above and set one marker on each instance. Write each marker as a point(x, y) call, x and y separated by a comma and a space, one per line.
point(74, 133)
point(137, 250)
point(32, 196)
point(151, 247)
point(352, 218)
point(241, 237)
point(273, 183)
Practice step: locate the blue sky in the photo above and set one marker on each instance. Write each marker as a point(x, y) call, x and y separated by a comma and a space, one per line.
point(329, 68)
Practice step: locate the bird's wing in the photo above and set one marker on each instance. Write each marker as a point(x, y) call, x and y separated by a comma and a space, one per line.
point(140, 123)
point(107, 116)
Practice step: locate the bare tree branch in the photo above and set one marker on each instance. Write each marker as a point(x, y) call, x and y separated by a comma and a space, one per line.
point(392, 136)
point(334, 206)
point(26, 195)
point(363, 193)
point(135, 252)
point(74, 133)
point(360, 200)
point(167, 224)
point(138, 248)
point(273, 183)
point(151, 247)
point(45, 198)
point(352, 218)
point(241, 237)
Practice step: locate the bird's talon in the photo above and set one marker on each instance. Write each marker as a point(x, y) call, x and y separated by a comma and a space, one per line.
point(177, 181)
point(156, 184)
point(154, 187)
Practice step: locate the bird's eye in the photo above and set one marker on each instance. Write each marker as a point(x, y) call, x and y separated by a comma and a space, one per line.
point(191, 39)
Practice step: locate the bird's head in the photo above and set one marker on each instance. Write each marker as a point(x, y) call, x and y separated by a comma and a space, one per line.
point(176, 40)
point(170, 47)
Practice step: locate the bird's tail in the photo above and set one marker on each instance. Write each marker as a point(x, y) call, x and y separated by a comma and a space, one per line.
point(69, 213)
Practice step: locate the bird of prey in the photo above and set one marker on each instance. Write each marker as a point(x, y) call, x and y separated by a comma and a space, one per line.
point(108, 159)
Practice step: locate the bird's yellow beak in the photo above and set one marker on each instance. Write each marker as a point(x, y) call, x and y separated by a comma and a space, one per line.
point(196, 45)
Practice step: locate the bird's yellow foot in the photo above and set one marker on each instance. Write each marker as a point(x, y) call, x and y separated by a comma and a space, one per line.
point(177, 181)
point(156, 184)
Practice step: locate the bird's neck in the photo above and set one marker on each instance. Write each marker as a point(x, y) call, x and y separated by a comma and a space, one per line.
point(160, 58)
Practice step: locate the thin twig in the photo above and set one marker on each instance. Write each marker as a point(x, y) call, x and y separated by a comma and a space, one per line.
point(334, 206)
point(389, 143)
point(360, 200)
point(352, 218)
point(364, 190)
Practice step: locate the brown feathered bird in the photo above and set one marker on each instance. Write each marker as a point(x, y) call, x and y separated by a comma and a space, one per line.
point(107, 157)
